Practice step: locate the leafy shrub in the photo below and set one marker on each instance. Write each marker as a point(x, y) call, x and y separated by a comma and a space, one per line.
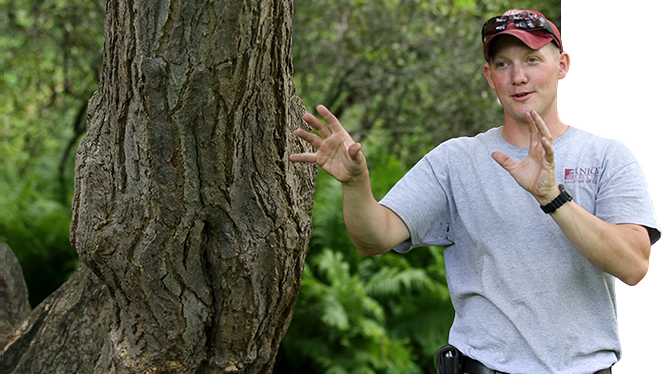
point(383, 314)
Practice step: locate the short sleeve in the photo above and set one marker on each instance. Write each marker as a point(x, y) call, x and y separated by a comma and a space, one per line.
point(420, 200)
point(622, 195)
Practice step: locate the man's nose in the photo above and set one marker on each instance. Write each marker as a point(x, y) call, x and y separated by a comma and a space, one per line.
point(519, 75)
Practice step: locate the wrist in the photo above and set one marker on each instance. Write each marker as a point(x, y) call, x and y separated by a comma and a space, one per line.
point(562, 197)
point(355, 181)
point(548, 196)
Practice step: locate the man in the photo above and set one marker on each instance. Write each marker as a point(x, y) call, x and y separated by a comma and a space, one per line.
point(532, 247)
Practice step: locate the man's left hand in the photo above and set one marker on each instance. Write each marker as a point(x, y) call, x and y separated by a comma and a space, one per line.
point(536, 172)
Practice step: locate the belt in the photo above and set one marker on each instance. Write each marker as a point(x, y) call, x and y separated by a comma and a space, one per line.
point(472, 366)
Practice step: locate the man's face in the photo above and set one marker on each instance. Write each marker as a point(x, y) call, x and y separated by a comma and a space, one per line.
point(525, 79)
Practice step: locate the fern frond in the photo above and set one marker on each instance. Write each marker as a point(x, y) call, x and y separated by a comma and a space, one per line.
point(392, 282)
point(336, 369)
point(333, 266)
point(334, 314)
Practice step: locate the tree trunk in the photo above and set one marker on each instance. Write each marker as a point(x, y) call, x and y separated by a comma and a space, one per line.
point(191, 223)
point(14, 304)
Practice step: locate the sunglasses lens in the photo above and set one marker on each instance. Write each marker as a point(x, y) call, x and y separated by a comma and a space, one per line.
point(524, 25)
point(494, 25)
point(523, 21)
point(528, 21)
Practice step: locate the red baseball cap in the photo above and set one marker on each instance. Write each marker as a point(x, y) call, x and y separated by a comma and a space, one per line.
point(533, 36)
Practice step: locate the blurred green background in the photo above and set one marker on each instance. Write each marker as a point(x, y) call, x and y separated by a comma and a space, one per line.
point(402, 76)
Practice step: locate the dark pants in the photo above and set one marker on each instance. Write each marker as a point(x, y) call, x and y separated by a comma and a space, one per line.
point(449, 360)
point(471, 366)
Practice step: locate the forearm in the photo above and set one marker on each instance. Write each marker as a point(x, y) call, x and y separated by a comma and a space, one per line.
point(374, 229)
point(622, 250)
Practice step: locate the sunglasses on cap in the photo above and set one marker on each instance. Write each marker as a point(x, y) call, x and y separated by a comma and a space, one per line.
point(523, 21)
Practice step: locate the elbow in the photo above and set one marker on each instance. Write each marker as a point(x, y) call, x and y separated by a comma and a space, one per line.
point(641, 248)
point(369, 252)
point(368, 249)
point(636, 276)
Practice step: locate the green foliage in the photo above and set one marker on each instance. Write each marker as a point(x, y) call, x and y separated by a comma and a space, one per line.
point(386, 314)
point(344, 329)
point(39, 228)
point(51, 55)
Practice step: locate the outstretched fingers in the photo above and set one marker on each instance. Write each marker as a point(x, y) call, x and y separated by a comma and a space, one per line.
point(303, 157)
point(330, 126)
point(540, 124)
point(317, 124)
point(540, 134)
point(320, 126)
point(337, 153)
point(334, 125)
point(309, 137)
point(548, 148)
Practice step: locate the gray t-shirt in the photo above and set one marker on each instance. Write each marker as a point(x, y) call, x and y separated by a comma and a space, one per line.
point(526, 300)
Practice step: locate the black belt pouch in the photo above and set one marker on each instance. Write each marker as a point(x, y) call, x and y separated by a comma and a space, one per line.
point(448, 360)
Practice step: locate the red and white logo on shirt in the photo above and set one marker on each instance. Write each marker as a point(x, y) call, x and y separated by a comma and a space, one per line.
point(582, 175)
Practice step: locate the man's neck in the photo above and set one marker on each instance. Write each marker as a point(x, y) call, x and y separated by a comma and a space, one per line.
point(517, 133)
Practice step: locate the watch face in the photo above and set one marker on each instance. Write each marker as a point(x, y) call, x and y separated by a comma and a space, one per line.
point(565, 191)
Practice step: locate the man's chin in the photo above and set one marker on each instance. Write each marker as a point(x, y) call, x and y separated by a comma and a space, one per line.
point(519, 116)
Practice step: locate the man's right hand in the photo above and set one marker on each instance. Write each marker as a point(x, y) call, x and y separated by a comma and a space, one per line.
point(337, 153)
point(374, 229)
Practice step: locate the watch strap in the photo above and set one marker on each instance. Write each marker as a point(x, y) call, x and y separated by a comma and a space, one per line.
point(562, 198)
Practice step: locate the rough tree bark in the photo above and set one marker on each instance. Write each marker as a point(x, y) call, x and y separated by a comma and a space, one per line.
point(190, 222)
point(14, 304)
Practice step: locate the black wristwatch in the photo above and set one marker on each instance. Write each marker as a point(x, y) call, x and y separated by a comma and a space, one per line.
point(562, 198)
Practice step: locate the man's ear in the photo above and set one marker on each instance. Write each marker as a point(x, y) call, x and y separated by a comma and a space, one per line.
point(486, 72)
point(565, 63)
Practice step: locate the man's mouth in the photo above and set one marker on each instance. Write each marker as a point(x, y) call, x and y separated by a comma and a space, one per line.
point(522, 96)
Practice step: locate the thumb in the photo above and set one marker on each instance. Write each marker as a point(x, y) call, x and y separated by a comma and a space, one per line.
point(354, 151)
point(503, 160)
